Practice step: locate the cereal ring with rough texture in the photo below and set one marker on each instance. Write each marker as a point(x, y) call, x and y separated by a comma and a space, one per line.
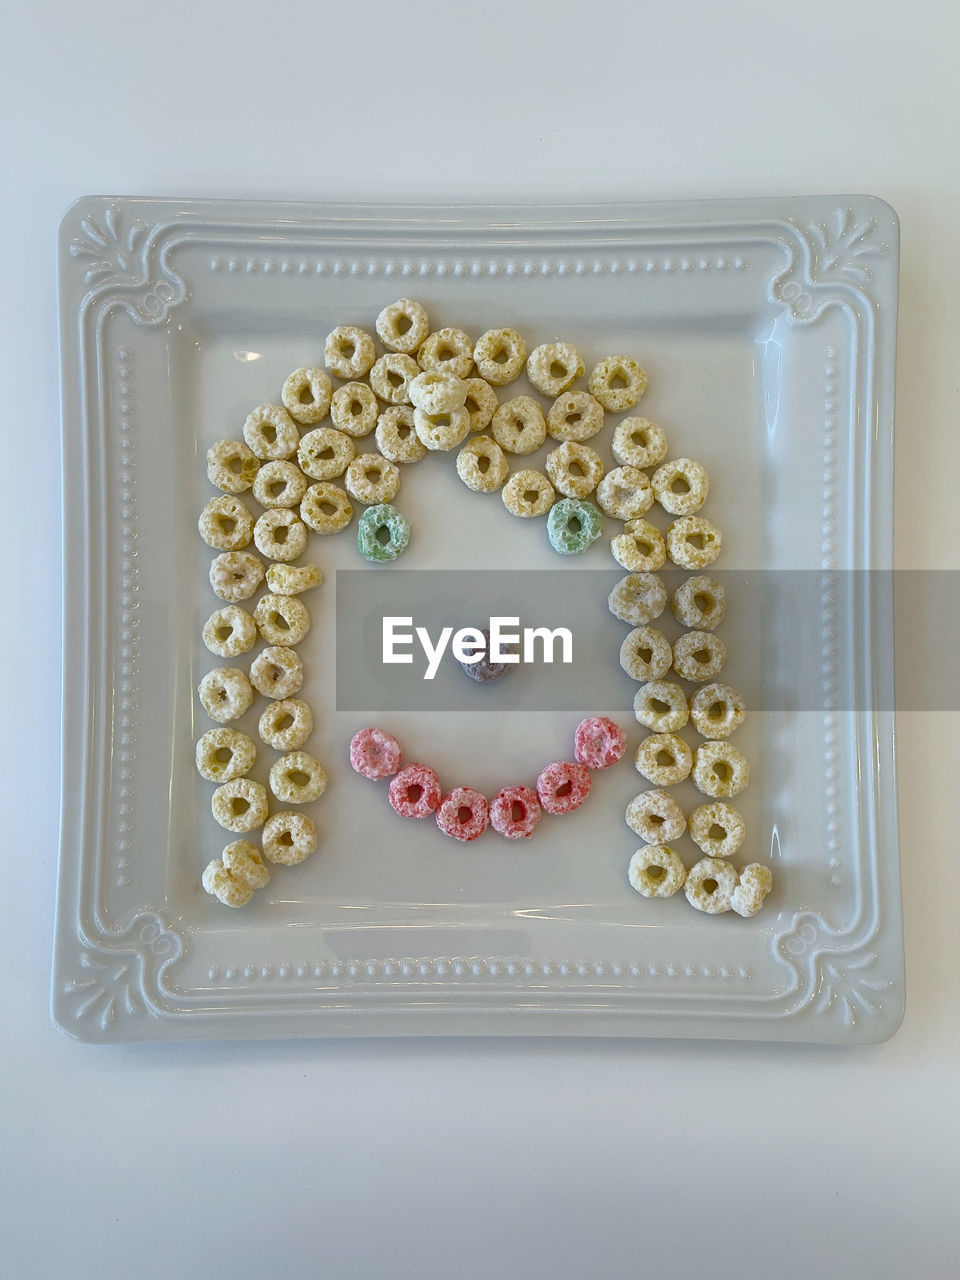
point(280, 534)
point(231, 466)
point(240, 805)
point(698, 655)
point(233, 877)
point(720, 769)
point(414, 792)
point(403, 325)
point(625, 494)
point(292, 579)
point(436, 392)
point(372, 479)
point(553, 367)
point(349, 352)
point(572, 525)
point(661, 705)
point(618, 383)
point(515, 813)
point(440, 432)
point(481, 465)
point(483, 669)
point(282, 620)
point(754, 884)
point(638, 598)
point(271, 432)
point(354, 409)
point(646, 654)
point(640, 548)
point(391, 376)
point(277, 672)
point(693, 543)
point(229, 632)
point(710, 885)
point(368, 533)
point(680, 486)
point(325, 453)
point(235, 575)
point(447, 350)
point(481, 403)
point(639, 443)
point(518, 425)
point(297, 778)
point(656, 871)
point(500, 355)
point(717, 829)
point(326, 508)
point(563, 786)
point(306, 395)
point(598, 742)
point(699, 603)
point(574, 469)
point(655, 817)
point(463, 814)
point(225, 524)
point(286, 725)
point(224, 754)
point(279, 484)
point(397, 437)
point(289, 838)
point(663, 759)
point(225, 694)
point(575, 416)
point(374, 754)
point(527, 494)
point(717, 710)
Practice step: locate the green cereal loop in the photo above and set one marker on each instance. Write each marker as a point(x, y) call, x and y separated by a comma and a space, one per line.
point(567, 541)
point(382, 517)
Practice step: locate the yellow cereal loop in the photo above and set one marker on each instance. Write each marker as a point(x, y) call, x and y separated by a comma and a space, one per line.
point(436, 392)
point(518, 425)
point(574, 469)
point(500, 355)
point(236, 874)
point(693, 543)
point(717, 710)
point(656, 871)
point(754, 884)
point(240, 805)
point(292, 579)
point(325, 453)
point(271, 433)
point(397, 437)
point(287, 724)
point(448, 351)
point(717, 829)
point(224, 754)
point(646, 654)
point(326, 508)
point(441, 431)
point(638, 599)
point(481, 403)
point(280, 534)
point(661, 705)
point(720, 770)
point(297, 778)
point(349, 352)
point(481, 465)
point(699, 602)
point(710, 885)
point(639, 443)
point(528, 494)
point(640, 548)
point(681, 486)
point(235, 575)
point(618, 383)
point(663, 759)
point(229, 632)
point(391, 377)
point(575, 415)
point(372, 479)
point(354, 409)
point(277, 672)
point(698, 655)
point(625, 493)
point(231, 466)
point(403, 325)
point(553, 367)
point(279, 484)
point(225, 694)
point(289, 838)
point(306, 396)
point(655, 817)
point(282, 620)
point(225, 524)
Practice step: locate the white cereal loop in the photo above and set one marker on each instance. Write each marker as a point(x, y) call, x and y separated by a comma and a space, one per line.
point(624, 493)
point(518, 425)
point(225, 524)
point(287, 724)
point(235, 575)
point(280, 534)
point(289, 838)
point(481, 403)
point(655, 817)
point(481, 465)
point(698, 655)
point(231, 466)
point(306, 396)
point(500, 355)
point(229, 632)
point(225, 694)
point(449, 351)
point(693, 543)
point(639, 443)
point(297, 778)
point(292, 579)
point(699, 603)
point(640, 548)
point(656, 871)
point(553, 367)
point(277, 672)
point(391, 376)
point(754, 884)
point(638, 599)
point(436, 392)
point(354, 409)
point(282, 620)
point(574, 469)
point(527, 494)
point(710, 885)
point(681, 486)
point(441, 431)
point(403, 325)
point(271, 432)
point(279, 484)
point(575, 415)
point(663, 759)
point(720, 770)
point(349, 352)
point(233, 877)
point(372, 479)
point(661, 705)
point(224, 754)
point(326, 508)
point(717, 829)
point(717, 710)
point(397, 437)
point(240, 805)
point(325, 453)
point(646, 654)
point(618, 383)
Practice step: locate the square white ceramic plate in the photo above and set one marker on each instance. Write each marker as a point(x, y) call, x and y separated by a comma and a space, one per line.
point(768, 329)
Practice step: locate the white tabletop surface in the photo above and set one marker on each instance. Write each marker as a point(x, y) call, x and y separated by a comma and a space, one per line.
point(455, 1158)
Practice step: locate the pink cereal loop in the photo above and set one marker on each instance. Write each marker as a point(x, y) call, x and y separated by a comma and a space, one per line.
point(374, 753)
point(598, 742)
point(463, 814)
point(563, 786)
point(502, 812)
point(415, 791)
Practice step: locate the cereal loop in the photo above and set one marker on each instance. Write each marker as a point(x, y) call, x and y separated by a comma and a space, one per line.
point(226, 524)
point(576, 416)
point(573, 524)
point(280, 534)
point(403, 325)
point(231, 466)
point(325, 453)
point(625, 493)
point(354, 409)
point(639, 443)
point(233, 877)
point(710, 885)
point(271, 432)
point(661, 705)
point(279, 484)
point(515, 813)
point(500, 355)
point(374, 754)
point(397, 437)
point(448, 351)
point(717, 710)
point(527, 494)
point(638, 598)
point(391, 376)
point(282, 620)
point(720, 770)
point(663, 759)
point(655, 817)
point(574, 469)
point(681, 486)
point(297, 778)
point(289, 838)
point(518, 425)
point(349, 352)
point(646, 654)
point(225, 694)
point(463, 814)
point(480, 402)
point(700, 603)
point(286, 725)
point(276, 672)
point(442, 431)
point(618, 383)
point(693, 543)
point(698, 655)
point(717, 829)
point(382, 534)
point(656, 871)
point(598, 742)
point(414, 792)
point(326, 508)
point(306, 395)
point(224, 754)
point(563, 786)
point(436, 392)
point(372, 479)
point(229, 632)
point(553, 367)
point(481, 465)
point(640, 548)
point(292, 579)
point(235, 575)
point(754, 884)
point(240, 805)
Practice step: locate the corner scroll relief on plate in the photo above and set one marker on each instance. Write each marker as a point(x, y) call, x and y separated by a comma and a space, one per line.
point(123, 265)
point(830, 263)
